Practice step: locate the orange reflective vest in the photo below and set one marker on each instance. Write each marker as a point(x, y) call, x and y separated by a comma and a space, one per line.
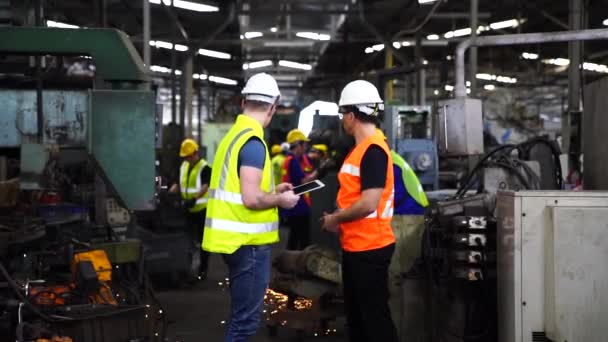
point(373, 231)
point(305, 165)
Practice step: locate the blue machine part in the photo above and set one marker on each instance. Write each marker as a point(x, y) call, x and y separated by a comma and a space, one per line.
point(65, 115)
point(421, 155)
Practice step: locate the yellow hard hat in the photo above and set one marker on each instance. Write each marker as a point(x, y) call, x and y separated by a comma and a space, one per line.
point(275, 149)
point(295, 135)
point(188, 147)
point(320, 148)
point(379, 131)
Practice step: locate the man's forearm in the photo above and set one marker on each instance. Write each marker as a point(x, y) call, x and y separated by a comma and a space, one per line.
point(263, 200)
point(356, 211)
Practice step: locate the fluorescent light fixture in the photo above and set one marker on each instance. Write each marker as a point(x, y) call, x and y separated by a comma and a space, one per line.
point(214, 54)
point(164, 70)
point(406, 43)
point(396, 45)
point(505, 24)
point(222, 80)
point(489, 87)
point(468, 83)
point(289, 43)
point(458, 33)
point(58, 24)
point(313, 35)
point(556, 119)
point(448, 87)
point(166, 45)
point(468, 90)
point(188, 5)
point(557, 61)
point(378, 47)
point(253, 34)
point(273, 29)
point(369, 50)
point(295, 65)
point(562, 62)
point(497, 78)
point(605, 22)
point(529, 55)
point(432, 37)
point(424, 2)
point(258, 64)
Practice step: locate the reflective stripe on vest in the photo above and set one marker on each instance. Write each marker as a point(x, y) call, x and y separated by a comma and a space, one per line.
point(412, 184)
point(190, 184)
point(373, 231)
point(229, 223)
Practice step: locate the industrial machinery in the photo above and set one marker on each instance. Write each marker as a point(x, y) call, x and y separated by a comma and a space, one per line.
point(85, 150)
point(409, 131)
point(552, 277)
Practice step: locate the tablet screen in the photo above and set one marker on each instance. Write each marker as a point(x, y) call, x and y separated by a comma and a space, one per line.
point(307, 187)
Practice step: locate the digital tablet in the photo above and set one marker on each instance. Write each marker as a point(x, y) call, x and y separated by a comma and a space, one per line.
point(308, 187)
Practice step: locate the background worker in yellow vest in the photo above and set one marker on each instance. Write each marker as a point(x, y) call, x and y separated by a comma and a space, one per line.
point(408, 227)
point(278, 154)
point(194, 177)
point(242, 215)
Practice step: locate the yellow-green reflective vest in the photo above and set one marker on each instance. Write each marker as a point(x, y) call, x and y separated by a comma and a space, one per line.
point(229, 224)
point(412, 184)
point(190, 184)
point(277, 165)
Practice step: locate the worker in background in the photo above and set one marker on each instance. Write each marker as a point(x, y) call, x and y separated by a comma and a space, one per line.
point(363, 217)
point(242, 215)
point(278, 157)
point(194, 177)
point(317, 154)
point(408, 227)
point(297, 169)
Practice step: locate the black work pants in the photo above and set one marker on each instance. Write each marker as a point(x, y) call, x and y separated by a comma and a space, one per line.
point(196, 227)
point(299, 232)
point(365, 278)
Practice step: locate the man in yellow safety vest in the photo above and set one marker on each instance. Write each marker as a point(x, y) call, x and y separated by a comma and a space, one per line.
point(194, 177)
point(242, 216)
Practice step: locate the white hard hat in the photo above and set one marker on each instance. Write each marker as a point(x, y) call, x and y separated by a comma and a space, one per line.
point(285, 147)
point(359, 92)
point(261, 87)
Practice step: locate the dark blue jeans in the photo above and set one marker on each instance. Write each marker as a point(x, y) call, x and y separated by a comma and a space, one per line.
point(249, 270)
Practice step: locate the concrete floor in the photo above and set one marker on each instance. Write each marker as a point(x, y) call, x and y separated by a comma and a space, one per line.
point(196, 314)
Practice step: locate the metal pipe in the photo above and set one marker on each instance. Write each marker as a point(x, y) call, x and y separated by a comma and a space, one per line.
point(574, 54)
point(38, 61)
point(473, 55)
point(518, 39)
point(146, 29)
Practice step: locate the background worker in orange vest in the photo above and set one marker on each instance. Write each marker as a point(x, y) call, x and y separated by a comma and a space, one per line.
point(363, 218)
point(297, 169)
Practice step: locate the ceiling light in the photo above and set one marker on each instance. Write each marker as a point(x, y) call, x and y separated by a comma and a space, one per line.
point(595, 67)
point(557, 61)
point(605, 22)
point(458, 33)
point(251, 35)
point(369, 50)
point(273, 29)
point(313, 35)
point(289, 43)
point(187, 5)
point(498, 78)
point(51, 23)
point(396, 45)
point(164, 70)
point(214, 54)
point(436, 92)
point(222, 80)
point(295, 65)
point(489, 87)
point(378, 47)
point(406, 43)
point(432, 37)
point(258, 64)
point(424, 2)
point(448, 87)
point(505, 24)
point(529, 55)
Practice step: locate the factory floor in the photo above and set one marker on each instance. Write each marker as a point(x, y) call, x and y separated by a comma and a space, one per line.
point(196, 313)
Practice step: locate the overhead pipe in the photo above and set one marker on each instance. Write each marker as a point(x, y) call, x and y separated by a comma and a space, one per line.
point(517, 39)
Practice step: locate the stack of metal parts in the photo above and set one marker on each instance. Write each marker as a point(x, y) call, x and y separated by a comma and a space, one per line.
point(306, 291)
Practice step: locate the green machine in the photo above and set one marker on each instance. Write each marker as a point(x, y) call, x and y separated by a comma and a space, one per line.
point(114, 120)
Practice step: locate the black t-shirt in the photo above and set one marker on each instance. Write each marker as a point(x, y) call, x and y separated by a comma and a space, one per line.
point(373, 168)
point(206, 175)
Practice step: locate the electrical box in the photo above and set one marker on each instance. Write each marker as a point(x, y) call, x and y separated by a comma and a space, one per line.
point(460, 127)
point(552, 277)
